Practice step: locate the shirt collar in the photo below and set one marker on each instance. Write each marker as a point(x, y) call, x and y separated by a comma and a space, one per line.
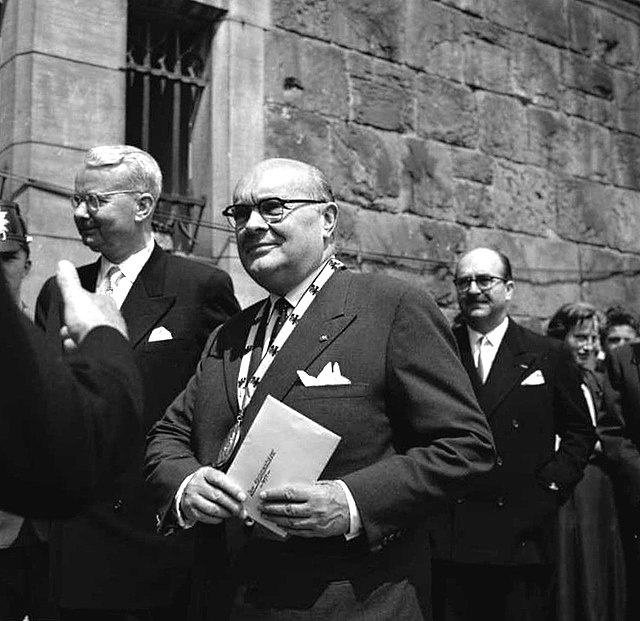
point(131, 266)
point(293, 296)
point(494, 337)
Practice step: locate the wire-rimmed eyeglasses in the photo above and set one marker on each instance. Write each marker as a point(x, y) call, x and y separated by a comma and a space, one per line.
point(93, 200)
point(484, 282)
point(271, 210)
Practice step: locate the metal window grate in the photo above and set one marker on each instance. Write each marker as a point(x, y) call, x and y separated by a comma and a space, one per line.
point(166, 61)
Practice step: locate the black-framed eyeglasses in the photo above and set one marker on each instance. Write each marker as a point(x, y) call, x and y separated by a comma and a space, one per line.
point(484, 282)
point(93, 200)
point(271, 210)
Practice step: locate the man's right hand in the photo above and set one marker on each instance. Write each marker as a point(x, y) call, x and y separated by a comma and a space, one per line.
point(84, 311)
point(210, 497)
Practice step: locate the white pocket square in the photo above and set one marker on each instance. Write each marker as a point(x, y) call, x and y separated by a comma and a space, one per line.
point(535, 379)
point(329, 376)
point(160, 334)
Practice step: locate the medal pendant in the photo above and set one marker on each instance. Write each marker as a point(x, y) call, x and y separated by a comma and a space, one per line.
point(229, 445)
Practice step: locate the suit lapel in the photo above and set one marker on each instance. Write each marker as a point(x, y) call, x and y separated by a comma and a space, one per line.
point(511, 365)
point(89, 275)
point(323, 322)
point(462, 338)
point(146, 303)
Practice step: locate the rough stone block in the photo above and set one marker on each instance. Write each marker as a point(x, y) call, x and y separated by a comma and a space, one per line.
point(584, 211)
point(537, 72)
point(588, 107)
point(474, 7)
point(473, 204)
point(590, 150)
point(372, 26)
point(306, 74)
point(314, 18)
point(583, 74)
point(627, 101)
point(299, 135)
point(581, 27)
point(381, 94)
point(427, 185)
point(616, 41)
point(626, 157)
point(624, 214)
point(610, 278)
point(488, 66)
point(548, 138)
point(472, 165)
point(433, 38)
point(507, 13)
point(502, 123)
point(547, 21)
point(524, 198)
point(446, 111)
point(365, 166)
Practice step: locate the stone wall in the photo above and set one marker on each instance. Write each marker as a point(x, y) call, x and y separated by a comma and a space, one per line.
point(448, 124)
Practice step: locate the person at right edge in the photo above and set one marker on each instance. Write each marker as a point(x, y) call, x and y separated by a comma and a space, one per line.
point(620, 438)
point(494, 549)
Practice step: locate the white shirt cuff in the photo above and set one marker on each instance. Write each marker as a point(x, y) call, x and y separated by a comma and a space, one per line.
point(355, 521)
point(182, 522)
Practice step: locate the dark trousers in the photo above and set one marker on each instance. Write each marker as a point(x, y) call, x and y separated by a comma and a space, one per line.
point(177, 611)
point(469, 592)
point(24, 583)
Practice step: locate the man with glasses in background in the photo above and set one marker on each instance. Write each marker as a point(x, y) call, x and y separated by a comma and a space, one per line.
point(367, 356)
point(495, 546)
point(109, 563)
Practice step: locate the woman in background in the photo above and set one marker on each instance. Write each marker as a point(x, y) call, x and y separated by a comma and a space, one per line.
point(591, 571)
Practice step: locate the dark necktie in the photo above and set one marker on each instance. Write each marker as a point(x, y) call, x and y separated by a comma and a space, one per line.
point(282, 308)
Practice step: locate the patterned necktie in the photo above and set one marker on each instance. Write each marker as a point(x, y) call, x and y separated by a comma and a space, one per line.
point(111, 279)
point(282, 308)
point(482, 371)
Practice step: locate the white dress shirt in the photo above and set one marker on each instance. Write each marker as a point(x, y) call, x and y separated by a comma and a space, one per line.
point(491, 344)
point(130, 269)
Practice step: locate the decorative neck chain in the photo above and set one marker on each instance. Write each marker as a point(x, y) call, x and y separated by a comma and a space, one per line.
point(246, 386)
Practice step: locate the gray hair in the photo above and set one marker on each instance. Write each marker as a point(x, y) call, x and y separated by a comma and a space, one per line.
point(142, 170)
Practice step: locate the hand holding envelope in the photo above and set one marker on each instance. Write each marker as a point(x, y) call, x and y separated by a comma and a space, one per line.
point(329, 376)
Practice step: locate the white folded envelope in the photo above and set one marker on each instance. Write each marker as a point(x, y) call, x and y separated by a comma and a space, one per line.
point(329, 376)
point(535, 379)
point(160, 334)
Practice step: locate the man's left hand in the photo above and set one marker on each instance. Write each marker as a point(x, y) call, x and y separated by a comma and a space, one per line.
point(319, 510)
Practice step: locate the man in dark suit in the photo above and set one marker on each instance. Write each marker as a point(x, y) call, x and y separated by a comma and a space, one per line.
point(64, 426)
point(411, 431)
point(495, 545)
point(620, 437)
point(109, 560)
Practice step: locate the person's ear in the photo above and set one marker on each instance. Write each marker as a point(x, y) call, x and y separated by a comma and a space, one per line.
point(329, 219)
point(145, 206)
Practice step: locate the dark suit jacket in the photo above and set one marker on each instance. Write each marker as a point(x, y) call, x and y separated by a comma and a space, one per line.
point(110, 556)
point(509, 518)
point(412, 431)
point(620, 421)
point(64, 427)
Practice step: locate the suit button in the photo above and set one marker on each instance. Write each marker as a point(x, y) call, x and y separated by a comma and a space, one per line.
point(498, 461)
point(515, 424)
point(117, 505)
point(459, 501)
point(500, 501)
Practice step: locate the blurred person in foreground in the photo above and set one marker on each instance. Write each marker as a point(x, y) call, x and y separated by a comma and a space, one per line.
point(412, 434)
point(108, 562)
point(591, 581)
point(65, 424)
point(24, 550)
point(496, 545)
